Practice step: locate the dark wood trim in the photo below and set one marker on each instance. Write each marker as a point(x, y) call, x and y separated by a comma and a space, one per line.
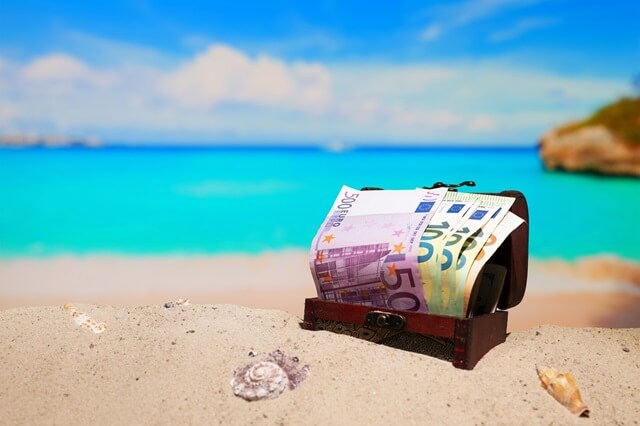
point(473, 337)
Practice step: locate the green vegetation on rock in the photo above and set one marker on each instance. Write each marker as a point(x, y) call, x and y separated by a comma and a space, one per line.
point(622, 118)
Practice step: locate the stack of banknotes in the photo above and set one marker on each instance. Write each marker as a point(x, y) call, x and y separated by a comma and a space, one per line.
point(421, 250)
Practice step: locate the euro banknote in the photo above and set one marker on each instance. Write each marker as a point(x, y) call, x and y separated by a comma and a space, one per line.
point(507, 225)
point(451, 290)
point(366, 250)
point(415, 250)
point(475, 243)
point(470, 234)
point(432, 259)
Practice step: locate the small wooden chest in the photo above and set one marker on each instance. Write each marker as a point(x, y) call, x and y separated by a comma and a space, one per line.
point(463, 341)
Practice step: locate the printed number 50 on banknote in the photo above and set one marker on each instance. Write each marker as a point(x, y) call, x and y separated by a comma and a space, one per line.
point(366, 250)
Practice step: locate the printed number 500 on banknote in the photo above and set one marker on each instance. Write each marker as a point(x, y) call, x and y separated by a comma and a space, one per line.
point(366, 250)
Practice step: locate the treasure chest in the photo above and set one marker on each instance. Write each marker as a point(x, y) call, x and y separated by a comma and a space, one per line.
point(462, 340)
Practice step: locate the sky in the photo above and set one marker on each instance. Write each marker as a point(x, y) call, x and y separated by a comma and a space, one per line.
point(471, 72)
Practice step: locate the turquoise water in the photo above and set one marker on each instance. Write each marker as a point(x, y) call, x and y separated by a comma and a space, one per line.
point(195, 200)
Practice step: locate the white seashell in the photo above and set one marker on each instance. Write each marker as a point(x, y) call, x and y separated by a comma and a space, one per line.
point(83, 320)
point(179, 302)
point(269, 378)
point(261, 380)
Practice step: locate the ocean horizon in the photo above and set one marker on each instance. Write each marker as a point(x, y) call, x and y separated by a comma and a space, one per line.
point(172, 199)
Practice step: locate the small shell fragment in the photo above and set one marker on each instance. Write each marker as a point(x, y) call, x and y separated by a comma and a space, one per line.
point(562, 386)
point(267, 379)
point(179, 302)
point(83, 320)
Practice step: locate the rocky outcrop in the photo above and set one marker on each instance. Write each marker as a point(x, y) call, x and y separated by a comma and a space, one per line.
point(590, 149)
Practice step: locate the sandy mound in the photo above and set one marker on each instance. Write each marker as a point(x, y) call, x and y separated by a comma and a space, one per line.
point(172, 366)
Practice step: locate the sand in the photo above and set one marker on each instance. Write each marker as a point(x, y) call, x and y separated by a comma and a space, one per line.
point(154, 365)
point(584, 294)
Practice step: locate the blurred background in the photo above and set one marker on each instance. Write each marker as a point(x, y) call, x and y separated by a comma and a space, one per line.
point(163, 130)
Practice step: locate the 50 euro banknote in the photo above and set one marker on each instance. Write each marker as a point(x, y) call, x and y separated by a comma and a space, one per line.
point(433, 259)
point(461, 248)
point(366, 250)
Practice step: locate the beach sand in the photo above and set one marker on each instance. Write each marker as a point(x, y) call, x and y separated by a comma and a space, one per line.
point(583, 294)
point(154, 365)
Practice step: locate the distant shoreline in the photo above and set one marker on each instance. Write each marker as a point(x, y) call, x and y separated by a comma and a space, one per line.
point(314, 147)
point(47, 141)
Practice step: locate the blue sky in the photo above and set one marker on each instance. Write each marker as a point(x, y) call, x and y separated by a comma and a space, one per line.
point(498, 72)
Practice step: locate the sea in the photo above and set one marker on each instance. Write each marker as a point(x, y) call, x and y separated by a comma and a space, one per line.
point(176, 200)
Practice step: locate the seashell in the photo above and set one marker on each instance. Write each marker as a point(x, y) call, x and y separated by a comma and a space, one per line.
point(269, 378)
point(261, 380)
point(562, 386)
point(179, 302)
point(83, 320)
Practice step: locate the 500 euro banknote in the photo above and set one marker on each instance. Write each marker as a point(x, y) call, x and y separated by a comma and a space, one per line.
point(366, 250)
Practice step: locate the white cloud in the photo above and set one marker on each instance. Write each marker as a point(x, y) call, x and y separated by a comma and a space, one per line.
point(223, 74)
point(63, 68)
point(195, 41)
point(431, 33)
point(520, 28)
point(474, 10)
point(482, 123)
point(424, 119)
point(390, 81)
point(8, 113)
point(113, 51)
point(449, 17)
point(304, 39)
point(224, 94)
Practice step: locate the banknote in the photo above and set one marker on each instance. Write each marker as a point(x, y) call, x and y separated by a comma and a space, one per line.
point(471, 234)
point(452, 292)
point(506, 226)
point(431, 259)
point(365, 252)
point(499, 207)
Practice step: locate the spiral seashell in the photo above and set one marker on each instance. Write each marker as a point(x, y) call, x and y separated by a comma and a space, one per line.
point(261, 380)
point(269, 378)
point(563, 387)
point(83, 320)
